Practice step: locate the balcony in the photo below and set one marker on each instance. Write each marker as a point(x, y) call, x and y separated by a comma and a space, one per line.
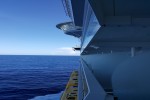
point(89, 87)
point(70, 29)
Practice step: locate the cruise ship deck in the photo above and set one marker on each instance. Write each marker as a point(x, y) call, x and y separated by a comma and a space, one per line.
point(71, 90)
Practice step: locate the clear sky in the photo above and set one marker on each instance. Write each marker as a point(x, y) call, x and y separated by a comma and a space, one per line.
point(28, 27)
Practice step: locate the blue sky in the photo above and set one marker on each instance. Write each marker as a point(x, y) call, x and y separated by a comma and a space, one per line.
point(28, 27)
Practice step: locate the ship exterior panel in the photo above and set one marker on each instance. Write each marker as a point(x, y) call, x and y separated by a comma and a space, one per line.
point(115, 48)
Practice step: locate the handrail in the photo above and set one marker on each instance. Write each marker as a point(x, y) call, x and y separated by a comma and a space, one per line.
point(67, 8)
point(95, 90)
point(80, 84)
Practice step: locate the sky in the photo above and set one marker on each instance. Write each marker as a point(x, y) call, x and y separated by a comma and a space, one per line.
point(28, 27)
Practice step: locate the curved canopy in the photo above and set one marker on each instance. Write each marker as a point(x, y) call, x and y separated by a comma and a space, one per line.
point(70, 29)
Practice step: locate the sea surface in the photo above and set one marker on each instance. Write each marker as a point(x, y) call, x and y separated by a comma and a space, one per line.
point(35, 77)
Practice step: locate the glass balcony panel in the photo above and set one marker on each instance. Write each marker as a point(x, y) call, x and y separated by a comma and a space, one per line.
point(90, 26)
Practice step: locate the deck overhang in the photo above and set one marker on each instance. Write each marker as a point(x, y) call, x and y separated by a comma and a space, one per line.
point(70, 29)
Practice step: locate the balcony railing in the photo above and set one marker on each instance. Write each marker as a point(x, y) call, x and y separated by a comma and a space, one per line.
point(68, 8)
point(89, 88)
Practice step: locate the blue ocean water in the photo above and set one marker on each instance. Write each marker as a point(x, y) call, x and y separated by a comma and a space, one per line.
point(35, 77)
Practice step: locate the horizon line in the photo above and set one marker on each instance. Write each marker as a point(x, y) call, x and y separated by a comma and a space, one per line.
point(33, 55)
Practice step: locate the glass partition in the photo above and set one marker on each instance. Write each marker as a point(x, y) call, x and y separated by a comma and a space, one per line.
point(90, 25)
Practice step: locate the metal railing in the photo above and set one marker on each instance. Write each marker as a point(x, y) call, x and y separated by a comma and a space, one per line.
point(82, 87)
point(89, 88)
point(67, 7)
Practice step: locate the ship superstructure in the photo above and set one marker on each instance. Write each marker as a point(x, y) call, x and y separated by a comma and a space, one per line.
point(115, 47)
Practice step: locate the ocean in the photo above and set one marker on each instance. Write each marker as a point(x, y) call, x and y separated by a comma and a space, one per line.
point(35, 77)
